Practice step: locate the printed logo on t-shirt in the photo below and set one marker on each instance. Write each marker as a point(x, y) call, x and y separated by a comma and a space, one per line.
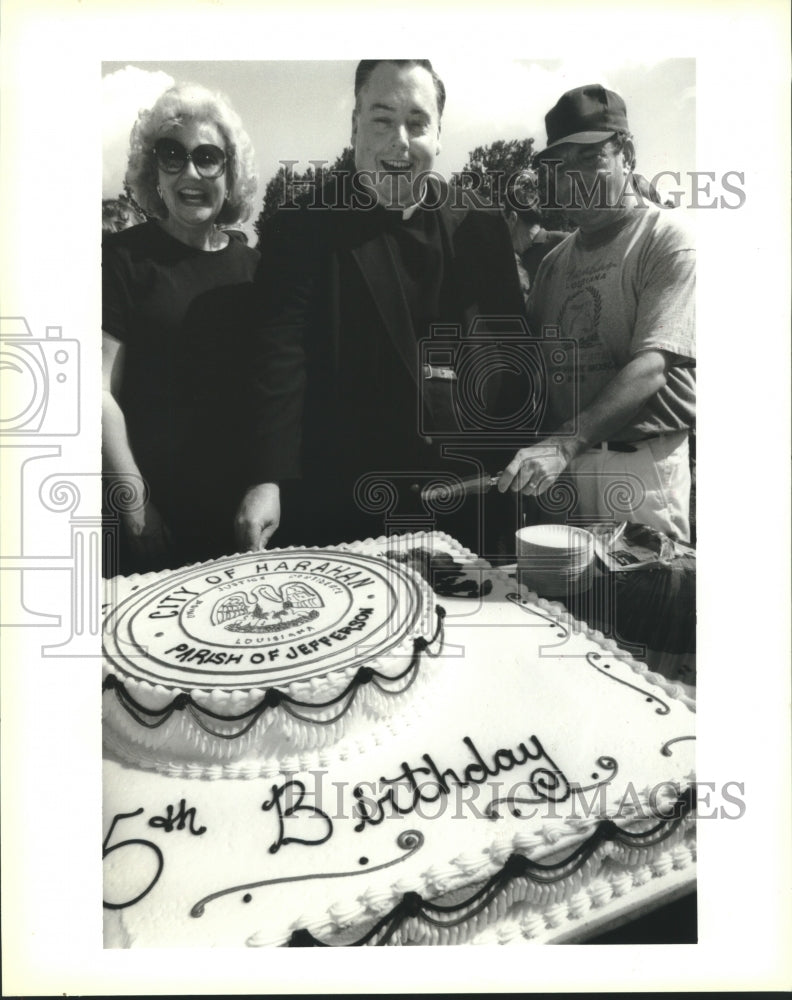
point(579, 319)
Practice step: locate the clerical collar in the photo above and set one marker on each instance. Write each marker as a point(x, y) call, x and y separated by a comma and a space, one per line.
point(395, 216)
point(408, 213)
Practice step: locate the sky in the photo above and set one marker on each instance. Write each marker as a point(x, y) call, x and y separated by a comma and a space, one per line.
point(301, 110)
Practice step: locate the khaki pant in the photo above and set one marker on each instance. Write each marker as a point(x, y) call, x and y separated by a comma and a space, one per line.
point(649, 486)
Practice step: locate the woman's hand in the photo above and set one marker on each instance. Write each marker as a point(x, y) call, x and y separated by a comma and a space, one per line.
point(257, 517)
point(149, 537)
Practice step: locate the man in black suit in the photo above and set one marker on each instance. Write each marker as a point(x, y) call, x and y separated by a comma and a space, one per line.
point(352, 286)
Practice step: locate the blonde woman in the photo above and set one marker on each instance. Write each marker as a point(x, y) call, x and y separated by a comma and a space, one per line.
point(178, 413)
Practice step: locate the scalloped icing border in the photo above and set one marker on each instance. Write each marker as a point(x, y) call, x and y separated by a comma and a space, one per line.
point(536, 883)
point(339, 747)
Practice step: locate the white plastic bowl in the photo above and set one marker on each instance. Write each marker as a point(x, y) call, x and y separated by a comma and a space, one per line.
point(554, 559)
point(553, 538)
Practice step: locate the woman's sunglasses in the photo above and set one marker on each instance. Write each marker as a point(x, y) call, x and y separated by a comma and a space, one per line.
point(172, 157)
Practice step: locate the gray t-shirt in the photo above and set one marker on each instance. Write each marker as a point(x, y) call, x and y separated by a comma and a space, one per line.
point(624, 291)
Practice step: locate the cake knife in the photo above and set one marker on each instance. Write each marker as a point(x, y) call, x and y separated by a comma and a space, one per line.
point(466, 486)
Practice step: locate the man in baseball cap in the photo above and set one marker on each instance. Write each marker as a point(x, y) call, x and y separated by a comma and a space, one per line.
point(616, 300)
point(577, 175)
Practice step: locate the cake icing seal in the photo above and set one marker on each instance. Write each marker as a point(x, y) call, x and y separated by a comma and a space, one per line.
point(262, 654)
point(153, 718)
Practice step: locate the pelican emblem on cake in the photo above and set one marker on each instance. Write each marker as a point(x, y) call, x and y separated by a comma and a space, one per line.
point(266, 608)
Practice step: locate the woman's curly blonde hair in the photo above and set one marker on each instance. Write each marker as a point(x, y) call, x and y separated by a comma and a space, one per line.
point(179, 103)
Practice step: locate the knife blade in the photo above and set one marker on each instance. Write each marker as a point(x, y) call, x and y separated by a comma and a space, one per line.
point(467, 486)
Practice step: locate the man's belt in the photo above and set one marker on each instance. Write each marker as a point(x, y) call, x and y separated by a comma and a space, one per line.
point(615, 446)
point(627, 445)
point(434, 372)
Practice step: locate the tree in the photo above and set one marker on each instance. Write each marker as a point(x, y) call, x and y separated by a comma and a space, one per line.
point(507, 166)
point(290, 188)
point(489, 168)
point(345, 163)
